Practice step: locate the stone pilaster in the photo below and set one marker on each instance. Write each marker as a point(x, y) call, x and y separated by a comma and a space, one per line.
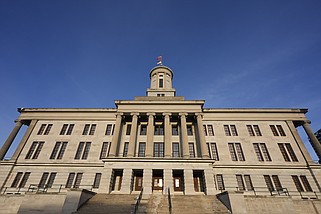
point(10, 139)
point(201, 136)
point(126, 181)
point(133, 135)
point(209, 182)
point(314, 141)
point(150, 135)
point(184, 136)
point(189, 182)
point(168, 135)
point(105, 179)
point(115, 140)
point(147, 182)
point(168, 181)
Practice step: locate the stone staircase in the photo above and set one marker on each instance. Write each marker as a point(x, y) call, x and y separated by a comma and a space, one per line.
point(154, 204)
point(108, 203)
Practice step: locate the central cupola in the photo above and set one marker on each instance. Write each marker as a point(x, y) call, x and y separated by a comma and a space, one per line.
point(161, 82)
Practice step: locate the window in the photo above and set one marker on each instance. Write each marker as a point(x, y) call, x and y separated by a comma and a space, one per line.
point(45, 182)
point(210, 130)
point(277, 184)
point(261, 152)
point(71, 180)
point(254, 130)
point(244, 180)
point(104, 150)
point(81, 151)
point(230, 130)
point(34, 150)
point(159, 129)
point(161, 83)
point(109, 129)
point(125, 153)
point(143, 129)
point(205, 130)
point(174, 130)
point(236, 151)
point(248, 182)
point(189, 130)
point(67, 129)
point(212, 151)
point(277, 130)
point(158, 149)
point(175, 150)
point(220, 182)
point(287, 152)
point(257, 130)
point(128, 128)
point(23, 181)
point(240, 183)
point(304, 181)
point(60, 148)
point(141, 149)
point(89, 129)
point(191, 150)
point(97, 180)
point(44, 129)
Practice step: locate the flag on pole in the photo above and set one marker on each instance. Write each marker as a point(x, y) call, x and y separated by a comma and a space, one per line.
point(159, 60)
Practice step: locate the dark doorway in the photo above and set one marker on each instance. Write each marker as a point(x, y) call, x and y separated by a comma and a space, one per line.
point(158, 180)
point(138, 179)
point(199, 181)
point(178, 180)
point(116, 179)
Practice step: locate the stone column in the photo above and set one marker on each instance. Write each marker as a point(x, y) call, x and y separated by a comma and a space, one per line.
point(150, 135)
point(168, 181)
point(147, 181)
point(313, 140)
point(104, 186)
point(299, 141)
point(184, 136)
point(126, 181)
point(168, 135)
point(114, 142)
point(133, 136)
point(209, 181)
point(24, 139)
point(189, 182)
point(10, 139)
point(201, 136)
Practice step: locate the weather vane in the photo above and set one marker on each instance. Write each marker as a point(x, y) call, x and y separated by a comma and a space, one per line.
point(159, 60)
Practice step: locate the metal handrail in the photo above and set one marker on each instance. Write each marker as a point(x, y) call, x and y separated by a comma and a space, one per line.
point(169, 201)
point(138, 199)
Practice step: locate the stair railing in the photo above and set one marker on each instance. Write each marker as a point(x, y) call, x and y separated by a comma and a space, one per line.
point(169, 201)
point(138, 199)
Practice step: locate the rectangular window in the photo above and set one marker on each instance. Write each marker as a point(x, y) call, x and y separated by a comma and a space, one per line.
point(248, 182)
point(233, 130)
point(97, 180)
point(174, 130)
point(161, 83)
point(268, 183)
point(240, 183)
point(51, 179)
point(125, 153)
point(141, 149)
point(236, 152)
point(189, 130)
point(43, 180)
point(44, 129)
point(175, 150)
point(205, 131)
point(34, 150)
point(250, 130)
point(92, 129)
point(230, 130)
point(227, 130)
point(159, 129)
point(306, 184)
point(83, 150)
point(16, 179)
point(59, 147)
point(78, 180)
point(70, 180)
point(128, 128)
point(86, 129)
point(254, 130)
point(220, 182)
point(210, 130)
point(280, 129)
point(257, 130)
point(191, 150)
point(41, 129)
point(287, 152)
point(277, 130)
point(261, 152)
point(62, 150)
point(277, 184)
point(89, 129)
point(213, 151)
point(104, 150)
point(48, 128)
point(24, 180)
point(297, 183)
point(158, 149)
point(143, 129)
point(108, 129)
point(67, 129)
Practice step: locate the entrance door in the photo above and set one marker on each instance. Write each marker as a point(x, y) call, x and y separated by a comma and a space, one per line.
point(157, 183)
point(138, 183)
point(178, 184)
point(196, 184)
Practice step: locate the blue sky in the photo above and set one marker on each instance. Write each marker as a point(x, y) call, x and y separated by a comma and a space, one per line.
point(235, 54)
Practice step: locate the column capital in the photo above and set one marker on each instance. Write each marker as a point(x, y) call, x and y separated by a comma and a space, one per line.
point(119, 114)
point(183, 114)
point(150, 114)
point(18, 121)
point(167, 114)
point(199, 115)
point(134, 114)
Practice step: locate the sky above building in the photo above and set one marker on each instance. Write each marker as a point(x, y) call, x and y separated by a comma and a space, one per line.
point(233, 54)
